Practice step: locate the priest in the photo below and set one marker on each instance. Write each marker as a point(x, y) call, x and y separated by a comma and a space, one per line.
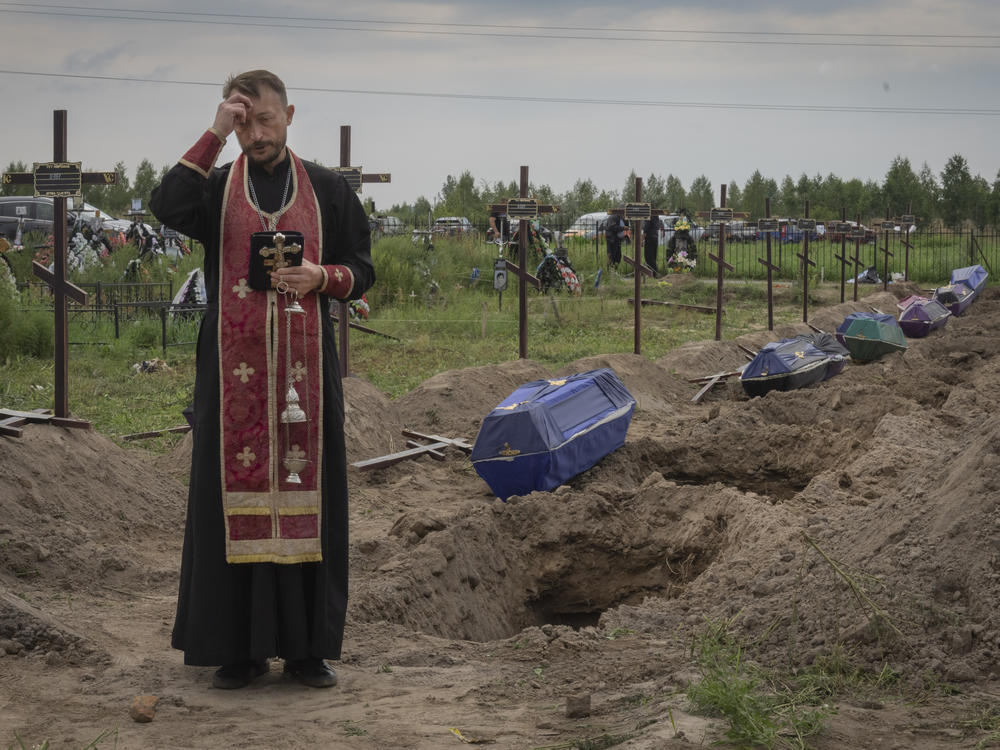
point(264, 565)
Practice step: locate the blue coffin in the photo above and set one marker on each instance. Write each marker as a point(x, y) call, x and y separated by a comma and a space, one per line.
point(548, 431)
point(784, 366)
point(973, 277)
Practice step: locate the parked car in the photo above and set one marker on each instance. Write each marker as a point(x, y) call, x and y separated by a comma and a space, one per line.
point(450, 226)
point(37, 215)
point(386, 225)
point(587, 225)
point(835, 236)
point(30, 213)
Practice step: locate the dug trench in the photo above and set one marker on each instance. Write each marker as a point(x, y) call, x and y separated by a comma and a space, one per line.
point(778, 501)
point(856, 517)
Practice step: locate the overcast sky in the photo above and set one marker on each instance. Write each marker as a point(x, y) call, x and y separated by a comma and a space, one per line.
point(414, 80)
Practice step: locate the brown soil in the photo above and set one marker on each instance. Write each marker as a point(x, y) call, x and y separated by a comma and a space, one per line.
point(483, 616)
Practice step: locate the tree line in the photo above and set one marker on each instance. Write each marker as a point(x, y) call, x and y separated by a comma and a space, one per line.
point(949, 199)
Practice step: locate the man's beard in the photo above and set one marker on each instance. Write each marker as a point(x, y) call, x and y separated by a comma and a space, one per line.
point(267, 157)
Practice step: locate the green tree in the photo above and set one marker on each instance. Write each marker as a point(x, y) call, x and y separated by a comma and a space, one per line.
point(675, 197)
point(582, 198)
point(654, 192)
point(925, 205)
point(788, 199)
point(699, 196)
point(755, 193)
point(145, 180)
point(460, 197)
point(734, 197)
point(957, 191)
point(901, 186)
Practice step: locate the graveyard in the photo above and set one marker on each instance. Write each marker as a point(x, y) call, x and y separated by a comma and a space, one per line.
point(827, 552)
point(809, 568)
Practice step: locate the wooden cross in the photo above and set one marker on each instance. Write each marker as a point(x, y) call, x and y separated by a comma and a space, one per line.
point(60, 179)
point(907, 220)
point(858, 235)
point(525, 209)
point(722, 215)
point(841, 228)
point(277, 257)
point(355, 177)
point(806, 226)
point(768, 226)
point(637, 212)
point(889, 228)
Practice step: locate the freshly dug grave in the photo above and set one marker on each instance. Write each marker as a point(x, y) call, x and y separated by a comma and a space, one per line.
point(854, 518)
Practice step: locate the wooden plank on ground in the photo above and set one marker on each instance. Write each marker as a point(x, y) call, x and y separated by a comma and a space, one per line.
point(382, 462)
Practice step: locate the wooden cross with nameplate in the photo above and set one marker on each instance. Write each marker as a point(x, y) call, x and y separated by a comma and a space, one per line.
point(806, 226)
point(355, 177)
point(722, 216)
point(637, 212)
point(525, 209)
point(769, 227)
point(888, 226)
point(60, 179)
point(907, 220)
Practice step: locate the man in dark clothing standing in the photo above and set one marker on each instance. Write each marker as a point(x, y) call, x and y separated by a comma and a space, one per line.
point(264, 567)
point(651, 242)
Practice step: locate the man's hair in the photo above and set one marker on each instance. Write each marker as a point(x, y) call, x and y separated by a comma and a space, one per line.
point(249, 83)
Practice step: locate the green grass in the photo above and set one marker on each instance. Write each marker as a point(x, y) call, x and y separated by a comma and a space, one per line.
point(440, 317)
point(760, 708)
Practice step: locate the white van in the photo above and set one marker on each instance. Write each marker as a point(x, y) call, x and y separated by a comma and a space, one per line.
point(588, 225)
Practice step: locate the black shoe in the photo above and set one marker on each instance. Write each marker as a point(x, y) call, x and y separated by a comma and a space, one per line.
point(238, 675)
point(313, 672)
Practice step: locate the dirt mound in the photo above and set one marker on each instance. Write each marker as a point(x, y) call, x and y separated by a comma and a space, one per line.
point(856, 517)
point(454, 403)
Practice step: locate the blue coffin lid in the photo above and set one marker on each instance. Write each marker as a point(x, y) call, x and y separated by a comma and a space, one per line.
point(542, 415)
point(972, 276)
point(785, 356)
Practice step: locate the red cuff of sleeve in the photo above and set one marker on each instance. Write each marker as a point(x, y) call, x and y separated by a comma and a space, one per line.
point(339, 281)
point(202, 155)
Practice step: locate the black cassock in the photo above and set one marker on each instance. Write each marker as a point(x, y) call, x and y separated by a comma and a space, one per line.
point(227, 613)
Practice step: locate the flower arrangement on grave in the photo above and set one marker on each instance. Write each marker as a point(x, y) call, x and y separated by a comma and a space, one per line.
point(681, 262)
point(358, 308)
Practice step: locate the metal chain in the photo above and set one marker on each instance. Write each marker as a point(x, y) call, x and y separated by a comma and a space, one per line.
point(284, 196)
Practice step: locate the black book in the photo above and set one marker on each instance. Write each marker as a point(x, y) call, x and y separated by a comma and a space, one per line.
point(270, 251)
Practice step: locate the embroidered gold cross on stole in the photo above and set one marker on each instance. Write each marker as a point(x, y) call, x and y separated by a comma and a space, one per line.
point(277, 257)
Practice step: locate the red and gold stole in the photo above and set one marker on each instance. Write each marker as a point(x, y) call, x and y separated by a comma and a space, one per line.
point(268, 519)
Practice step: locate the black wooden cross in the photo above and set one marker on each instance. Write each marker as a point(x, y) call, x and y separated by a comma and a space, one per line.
point(355, 177)
point(841, 229)
point(525, 209)
point(768, 226)
point(806, 226)
point(722, 216)
point(858, 234)
point(60, 179)
point(907, 220)
point(637, 213)
point(889, 228)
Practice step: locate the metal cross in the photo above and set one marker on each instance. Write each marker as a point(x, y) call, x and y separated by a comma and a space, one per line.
point(277, 257)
